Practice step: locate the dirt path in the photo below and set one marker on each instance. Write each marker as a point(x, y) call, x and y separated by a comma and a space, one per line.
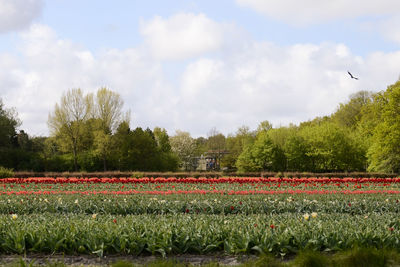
point(107, 260)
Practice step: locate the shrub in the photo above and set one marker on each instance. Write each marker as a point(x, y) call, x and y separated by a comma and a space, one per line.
point(6, 173)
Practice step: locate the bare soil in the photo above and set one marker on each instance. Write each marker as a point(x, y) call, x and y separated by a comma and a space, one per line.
point(87, 260)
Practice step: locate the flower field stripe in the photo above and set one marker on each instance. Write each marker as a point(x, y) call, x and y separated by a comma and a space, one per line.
point(190, 180)
point(232, 215)
point(203, 192)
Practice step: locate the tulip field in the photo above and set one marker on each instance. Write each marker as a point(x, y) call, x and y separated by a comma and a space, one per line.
point(169, 216)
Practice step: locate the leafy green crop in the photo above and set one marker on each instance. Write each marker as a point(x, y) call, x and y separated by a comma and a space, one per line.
point(177, 234)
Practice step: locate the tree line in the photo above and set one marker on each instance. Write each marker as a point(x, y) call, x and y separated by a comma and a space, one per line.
point(90, 132)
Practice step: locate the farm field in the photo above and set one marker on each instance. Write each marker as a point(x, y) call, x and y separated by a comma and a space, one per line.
point(170, 216)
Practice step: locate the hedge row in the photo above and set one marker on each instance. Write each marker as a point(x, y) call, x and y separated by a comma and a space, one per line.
point(201, 174)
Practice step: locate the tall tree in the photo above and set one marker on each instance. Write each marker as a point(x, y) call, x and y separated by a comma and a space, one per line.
point(235, 144)
point(216, 144)
point(162, 139)
point(349, 114)
point(383, 154)
point(8, 125)
point(108, 111)
point(67, 120)
point(184, 146)
point(331, 148)
point(264, 126)
point(262, 155)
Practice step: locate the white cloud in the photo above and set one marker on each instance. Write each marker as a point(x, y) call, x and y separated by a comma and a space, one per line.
point(279, 84)
point(184, 35)
point(315, 11)
point(47, 66)
point(253, 82)
point(18, 14)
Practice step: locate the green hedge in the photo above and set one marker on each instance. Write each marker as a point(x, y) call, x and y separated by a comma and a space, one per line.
point(199, 174)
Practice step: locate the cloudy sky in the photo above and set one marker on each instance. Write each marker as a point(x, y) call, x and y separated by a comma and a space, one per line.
point(195, 65)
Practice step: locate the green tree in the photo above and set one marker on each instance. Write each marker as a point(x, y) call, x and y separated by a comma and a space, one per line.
point(235, 145)
point(108, 111)
point(167, 160)
point(123, 143)
point(263, 155)
point(296, 152)
point(67, 121)
point(246, 162)
point(184, 146)
point(383, 154)
point(264, 126)
point(350, 113)
point(162, 139)
point(143, 151)
point(8, 126)
point(331, 148)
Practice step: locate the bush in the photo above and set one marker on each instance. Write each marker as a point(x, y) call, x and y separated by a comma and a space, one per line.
point(138, 175)
point(6, 173)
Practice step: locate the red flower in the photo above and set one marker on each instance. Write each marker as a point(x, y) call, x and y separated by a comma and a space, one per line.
point(255, 225)
point(349, 204)
point(187, 210)
point(240, 202)
point(115, 221)
point(272, 226)
point(391, 229)
point(232, 207)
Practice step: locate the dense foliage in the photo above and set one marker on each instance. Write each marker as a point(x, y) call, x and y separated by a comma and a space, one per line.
point(90, 133)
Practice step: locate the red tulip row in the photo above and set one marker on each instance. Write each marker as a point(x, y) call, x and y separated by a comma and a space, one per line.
point(202, 192)
point(191, 180)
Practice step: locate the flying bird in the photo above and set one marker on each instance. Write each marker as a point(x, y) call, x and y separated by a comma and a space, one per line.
point(351, 75)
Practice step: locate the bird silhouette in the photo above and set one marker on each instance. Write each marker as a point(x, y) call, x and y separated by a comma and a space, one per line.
point(351, 75)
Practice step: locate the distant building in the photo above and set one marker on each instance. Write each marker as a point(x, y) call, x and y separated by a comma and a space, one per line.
point(210, 161)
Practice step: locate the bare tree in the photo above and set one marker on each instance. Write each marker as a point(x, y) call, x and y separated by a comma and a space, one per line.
point(108, 108)
point(108, 111)
point(68, 119)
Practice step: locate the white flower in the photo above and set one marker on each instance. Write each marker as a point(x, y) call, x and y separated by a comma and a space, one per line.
point(314, 215)
point(306, 216)
point(94, 216)
point(14, 216)
point(76, 201)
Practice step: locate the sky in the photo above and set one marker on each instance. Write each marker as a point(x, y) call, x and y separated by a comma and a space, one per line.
point(197, 65)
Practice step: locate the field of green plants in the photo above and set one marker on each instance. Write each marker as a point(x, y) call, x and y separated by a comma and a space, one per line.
point(229, 216)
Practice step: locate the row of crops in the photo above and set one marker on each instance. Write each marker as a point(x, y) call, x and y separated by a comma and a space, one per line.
point(104, 216)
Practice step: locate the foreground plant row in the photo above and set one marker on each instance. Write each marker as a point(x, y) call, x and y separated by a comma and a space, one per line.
point(175, 234)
